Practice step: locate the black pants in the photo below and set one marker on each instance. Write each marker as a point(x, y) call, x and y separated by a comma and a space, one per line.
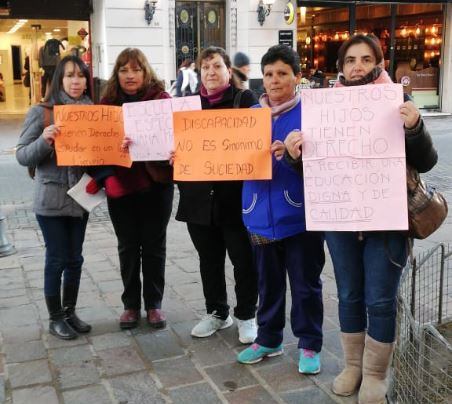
point(212, 242)
point(140, 222)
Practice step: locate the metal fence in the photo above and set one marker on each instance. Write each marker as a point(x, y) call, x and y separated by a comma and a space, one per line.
point(422, 366)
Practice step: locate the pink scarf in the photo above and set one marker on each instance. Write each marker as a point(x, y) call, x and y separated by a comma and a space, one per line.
point(214, 97)
point(383, 78)
point(277, 110)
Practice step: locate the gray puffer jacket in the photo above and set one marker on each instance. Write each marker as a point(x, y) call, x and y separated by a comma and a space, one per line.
point(51, 182)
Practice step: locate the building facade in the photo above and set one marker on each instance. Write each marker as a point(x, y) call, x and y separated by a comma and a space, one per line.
point(169, 31)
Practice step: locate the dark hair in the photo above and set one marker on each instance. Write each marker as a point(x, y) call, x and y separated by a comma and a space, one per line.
point(370, 40)
point(113, 91)
point(209, 53)
point(53, 96)
point(283, 53)
point(185, 63)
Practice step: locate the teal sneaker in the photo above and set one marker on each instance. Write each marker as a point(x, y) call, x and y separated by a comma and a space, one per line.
point(309, 363)
point(255, 353)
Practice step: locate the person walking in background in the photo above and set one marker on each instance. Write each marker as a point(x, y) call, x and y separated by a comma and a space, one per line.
point(139, 200)
point(273, 213)
point(61, 219)
point(241, 70)
point(192, 79)
point(212, 211)
point(182, 79)
point(368, 265)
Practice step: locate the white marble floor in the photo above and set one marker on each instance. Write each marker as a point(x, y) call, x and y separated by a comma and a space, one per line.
point(17, 101)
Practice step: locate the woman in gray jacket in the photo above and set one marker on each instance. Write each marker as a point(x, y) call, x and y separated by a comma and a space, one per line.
point(61, 219)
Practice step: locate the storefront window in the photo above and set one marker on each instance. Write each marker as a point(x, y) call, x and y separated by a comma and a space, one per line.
point(418, 43)
point(321, 32)
point(419, 32)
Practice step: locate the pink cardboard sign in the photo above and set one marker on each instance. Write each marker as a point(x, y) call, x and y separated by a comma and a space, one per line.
point(354, 158)
point(150, 126)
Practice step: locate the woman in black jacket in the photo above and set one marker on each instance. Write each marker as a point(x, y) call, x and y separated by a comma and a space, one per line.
point(213, 213)
point(368, 265)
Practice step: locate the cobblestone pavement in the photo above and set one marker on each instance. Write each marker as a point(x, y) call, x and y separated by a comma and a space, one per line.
point(143, 365)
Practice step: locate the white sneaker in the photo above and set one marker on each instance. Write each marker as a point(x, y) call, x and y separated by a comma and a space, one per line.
point(247, 330)
point(210, 324)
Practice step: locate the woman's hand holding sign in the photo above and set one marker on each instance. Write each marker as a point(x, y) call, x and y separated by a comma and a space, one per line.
point(49, 134)
point(293, 143)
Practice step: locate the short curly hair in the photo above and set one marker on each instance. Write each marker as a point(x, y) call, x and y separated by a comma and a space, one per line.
point(284, 53)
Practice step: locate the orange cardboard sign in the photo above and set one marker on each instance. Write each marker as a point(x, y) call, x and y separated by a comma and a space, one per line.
point(223, 144)
point(91, 135)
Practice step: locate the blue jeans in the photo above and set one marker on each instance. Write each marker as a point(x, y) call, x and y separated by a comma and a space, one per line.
point(367, 280)
point(63, 236)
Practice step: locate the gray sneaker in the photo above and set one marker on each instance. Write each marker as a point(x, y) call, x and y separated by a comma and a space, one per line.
point(210, 324)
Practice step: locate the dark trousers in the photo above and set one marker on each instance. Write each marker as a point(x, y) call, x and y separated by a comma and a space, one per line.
point(63, 237)
point(140, 221)
point(212, 242)
point(303, 257)
point(367, 279)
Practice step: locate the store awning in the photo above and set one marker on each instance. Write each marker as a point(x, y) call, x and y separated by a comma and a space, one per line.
point(306, 3)
point(50, 9)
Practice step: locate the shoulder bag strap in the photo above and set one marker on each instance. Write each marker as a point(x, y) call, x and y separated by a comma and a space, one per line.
point(237, 99)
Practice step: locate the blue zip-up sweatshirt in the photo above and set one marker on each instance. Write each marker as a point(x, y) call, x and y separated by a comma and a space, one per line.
point(275, 208)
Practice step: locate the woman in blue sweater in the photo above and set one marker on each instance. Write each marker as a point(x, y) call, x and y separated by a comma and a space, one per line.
point(273, 212)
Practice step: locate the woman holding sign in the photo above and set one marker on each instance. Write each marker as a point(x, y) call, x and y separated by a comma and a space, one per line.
point(273, 212)
point(139, 200)
point(213, 215)
point(61, 219)
point(368, 265)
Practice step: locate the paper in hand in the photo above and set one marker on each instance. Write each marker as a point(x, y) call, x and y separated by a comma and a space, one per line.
point(83, 198)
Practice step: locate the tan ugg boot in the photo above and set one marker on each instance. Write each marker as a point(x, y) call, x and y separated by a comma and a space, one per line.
point(376, 361)
point(347, 382)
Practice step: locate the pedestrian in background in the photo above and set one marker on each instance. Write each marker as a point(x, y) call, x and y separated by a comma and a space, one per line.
point(368, 265)
point(61, 219)
point(241, 70)
point(139, 200)
point(182, 79)
point(273, 213)
point(212, 211)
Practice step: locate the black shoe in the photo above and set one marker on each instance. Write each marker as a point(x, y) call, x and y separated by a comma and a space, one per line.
point(61, 329)
point(74, 321)
point(58, 326)
point(70, 294)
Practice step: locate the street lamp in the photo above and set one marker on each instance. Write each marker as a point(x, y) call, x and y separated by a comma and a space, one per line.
point(149, 10)
point(263, 10)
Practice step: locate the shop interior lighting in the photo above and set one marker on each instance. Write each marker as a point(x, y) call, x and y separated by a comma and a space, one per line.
point(149, 10)
point(56, 30)
point(19, 24)
point(263, 10)
point(303, 14)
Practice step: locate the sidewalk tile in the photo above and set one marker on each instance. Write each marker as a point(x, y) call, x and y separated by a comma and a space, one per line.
point(250, 395)
point(53, 342)
point(25, 351)
point(231, 376)
point(35, 395)
point(159, 345)
point(175, 372)
point(138, 388)
point(117, 361)
point(77, 374)
point(70, 355)
point(92, 394)
point(27, 373)
point(21, 334)
point(110, 340)
point(18, 316)
point(284, 377)
point(197, 393)
point(211, 351)
point(307, 395)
